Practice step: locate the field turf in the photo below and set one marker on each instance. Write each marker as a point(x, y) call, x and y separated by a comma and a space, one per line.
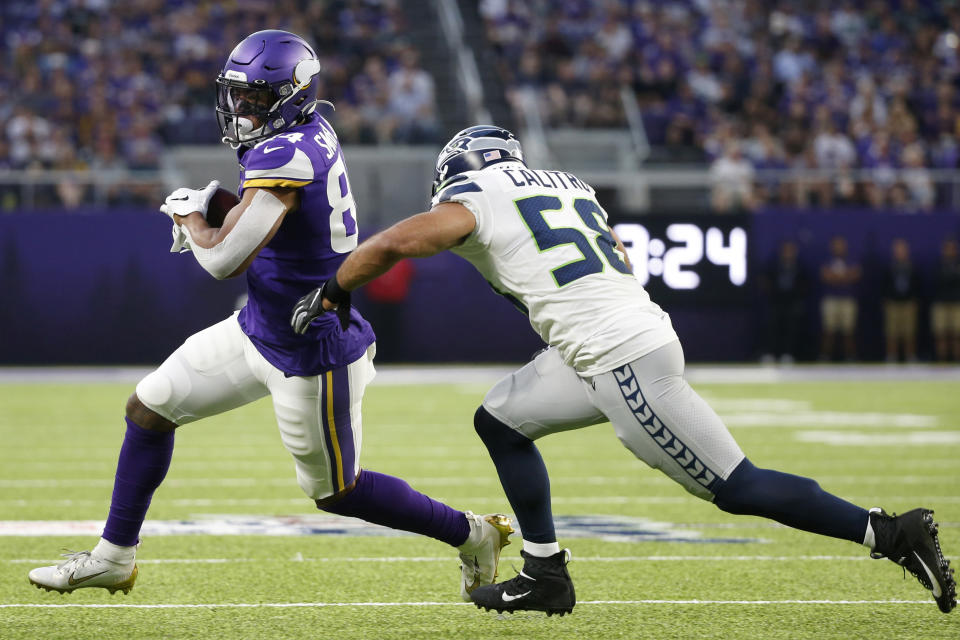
point(889, 443)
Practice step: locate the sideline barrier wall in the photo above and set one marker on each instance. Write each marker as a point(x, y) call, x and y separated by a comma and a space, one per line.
point(100, 287)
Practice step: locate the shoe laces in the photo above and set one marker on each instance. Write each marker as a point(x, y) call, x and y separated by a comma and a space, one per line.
point(73, 558)
point(518, 583)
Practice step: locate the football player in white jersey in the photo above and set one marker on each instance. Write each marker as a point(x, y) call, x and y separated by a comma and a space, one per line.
point(541, 239)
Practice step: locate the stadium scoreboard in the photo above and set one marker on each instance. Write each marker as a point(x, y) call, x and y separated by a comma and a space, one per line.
point(689, 259)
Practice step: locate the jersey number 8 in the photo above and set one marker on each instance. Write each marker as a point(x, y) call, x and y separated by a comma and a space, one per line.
point(343, 209)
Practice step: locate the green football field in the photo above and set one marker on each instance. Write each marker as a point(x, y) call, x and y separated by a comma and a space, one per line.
point(649, 561)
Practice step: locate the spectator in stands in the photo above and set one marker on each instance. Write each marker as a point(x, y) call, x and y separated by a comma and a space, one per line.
point(29, 136)
point(703, 81)
point(787, 287)
point(69, 191)
point(848, 23)
point(614, 36)
point(792, 61)
point(768, 157)
point(901, 290)
point(9, 193)
point(411, 103)
point(839, 277)
point(835, 154)
point(731, 177)
point(867, 104)
point(110, 169)
point(879, 158)
point(916, 179)
point(364, 116)
point(945, 310)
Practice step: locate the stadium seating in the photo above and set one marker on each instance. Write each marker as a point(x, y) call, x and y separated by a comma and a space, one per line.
point(859, 96)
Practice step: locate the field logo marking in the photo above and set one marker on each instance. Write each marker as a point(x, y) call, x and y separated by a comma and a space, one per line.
point(610, 528)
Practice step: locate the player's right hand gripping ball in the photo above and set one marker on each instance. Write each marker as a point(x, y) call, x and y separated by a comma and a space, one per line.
point(310, 306)
point(185, 201)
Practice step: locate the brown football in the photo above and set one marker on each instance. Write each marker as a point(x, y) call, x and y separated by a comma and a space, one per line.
point(220, 205)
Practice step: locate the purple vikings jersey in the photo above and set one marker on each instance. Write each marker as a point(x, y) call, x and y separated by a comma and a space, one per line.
point(308, 247)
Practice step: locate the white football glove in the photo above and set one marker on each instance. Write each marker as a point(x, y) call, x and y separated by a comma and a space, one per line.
point(181, 239)
point(185, 201)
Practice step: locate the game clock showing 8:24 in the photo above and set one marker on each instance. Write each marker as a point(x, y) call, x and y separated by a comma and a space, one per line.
point(688, 259)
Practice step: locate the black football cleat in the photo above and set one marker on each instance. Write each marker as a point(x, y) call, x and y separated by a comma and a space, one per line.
point(544, 584)
point(910, 540)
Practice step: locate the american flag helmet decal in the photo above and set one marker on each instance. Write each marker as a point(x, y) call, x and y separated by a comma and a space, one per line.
point(473, 149)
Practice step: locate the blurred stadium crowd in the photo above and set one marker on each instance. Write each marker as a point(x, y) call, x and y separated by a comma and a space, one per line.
point(753, 85)
point(861, 94)
point(107, 85)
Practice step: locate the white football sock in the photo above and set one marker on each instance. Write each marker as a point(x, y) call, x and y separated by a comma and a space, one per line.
point(114, 553)
point(541, 550)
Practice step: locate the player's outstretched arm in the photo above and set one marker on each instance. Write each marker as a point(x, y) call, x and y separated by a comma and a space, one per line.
point(228, 250)
point(425, 234)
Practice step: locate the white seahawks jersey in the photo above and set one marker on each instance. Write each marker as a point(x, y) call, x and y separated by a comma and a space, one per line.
point(542, 241)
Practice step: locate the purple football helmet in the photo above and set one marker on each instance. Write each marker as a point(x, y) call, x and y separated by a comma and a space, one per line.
point(265, 86)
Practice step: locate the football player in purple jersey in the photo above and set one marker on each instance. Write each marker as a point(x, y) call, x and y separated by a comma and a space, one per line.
point(295, 224)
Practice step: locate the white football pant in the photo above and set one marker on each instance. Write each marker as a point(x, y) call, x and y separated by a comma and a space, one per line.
point(654, 412)
point(219, 369)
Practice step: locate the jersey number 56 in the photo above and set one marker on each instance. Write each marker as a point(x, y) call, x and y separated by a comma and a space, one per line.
point(532, 209)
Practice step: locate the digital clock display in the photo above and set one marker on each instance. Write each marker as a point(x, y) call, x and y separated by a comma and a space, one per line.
point(688, 258)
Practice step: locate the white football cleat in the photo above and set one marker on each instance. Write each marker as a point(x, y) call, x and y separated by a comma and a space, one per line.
point(81, 569)
point(480, 554)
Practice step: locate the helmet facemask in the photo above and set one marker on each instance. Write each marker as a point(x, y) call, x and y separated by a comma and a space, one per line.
point(245, 110)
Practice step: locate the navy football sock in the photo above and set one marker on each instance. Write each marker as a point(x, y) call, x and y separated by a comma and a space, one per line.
point(144, 460)
point(791, 500)
point(391, 502)
point(522, 474)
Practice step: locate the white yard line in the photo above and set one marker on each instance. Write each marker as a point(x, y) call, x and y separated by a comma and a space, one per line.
point(557, 500)
point(305, 502)
point(793, 420)
point(488, 374)
point(447, 559)
point(285, 605)
point(862, 439)
point(447, 481)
